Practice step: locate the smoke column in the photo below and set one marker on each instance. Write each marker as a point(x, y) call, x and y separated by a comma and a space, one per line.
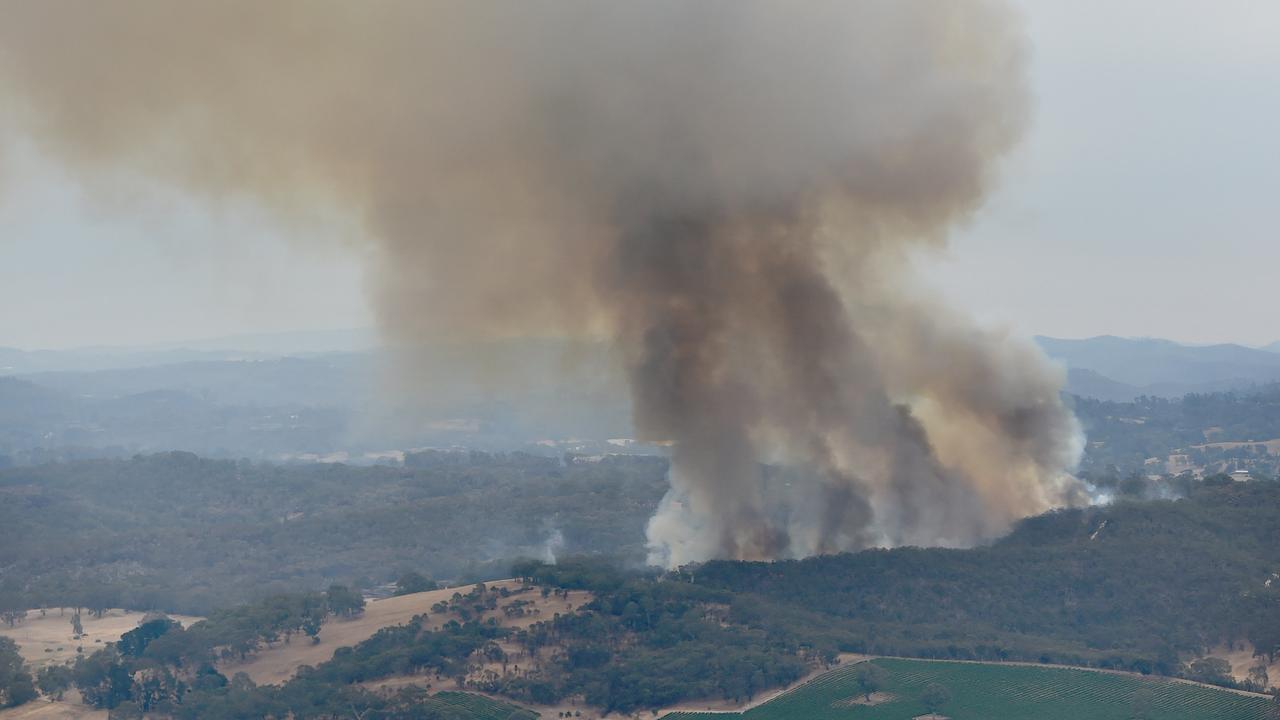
point(726, 191)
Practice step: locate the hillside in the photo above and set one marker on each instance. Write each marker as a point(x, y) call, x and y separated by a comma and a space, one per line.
point(1144, 587)
point(1133, 585)
point(16, 361)
point(326, 381)
point(277, 664)
point(1212, 432)
point(263, 405)
point(45, 423)
point(1114, 368)
point(186, 534)
point(1091, 384)
point(255, 346)
point(46, 637)
point(332, 406)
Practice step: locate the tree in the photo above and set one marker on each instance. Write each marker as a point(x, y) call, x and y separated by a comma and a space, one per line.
point(935, 696)
point(1258, 676)
point(1211, 670)
point(1266, 637)
point(54, 680)
point(13, 608)
point(135, 642)
point(311, 626)
point(100, 599)
point(16, 686)
point(127, 710)
point(21, 691)
point(344, 601)
point(103, 681)
point(412, 582)
point(871, 678)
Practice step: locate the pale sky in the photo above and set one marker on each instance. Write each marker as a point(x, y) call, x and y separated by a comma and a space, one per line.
point(1144, 201)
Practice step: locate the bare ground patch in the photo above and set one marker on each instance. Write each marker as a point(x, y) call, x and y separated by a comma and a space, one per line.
point(42, 709)
point(1242, 660)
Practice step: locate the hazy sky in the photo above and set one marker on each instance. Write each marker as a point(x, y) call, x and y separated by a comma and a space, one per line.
point(1144, 201)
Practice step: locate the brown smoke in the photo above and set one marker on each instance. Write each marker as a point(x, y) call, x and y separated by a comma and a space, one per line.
point(726, 190)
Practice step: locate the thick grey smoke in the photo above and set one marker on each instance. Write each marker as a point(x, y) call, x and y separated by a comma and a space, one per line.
point(726, 190)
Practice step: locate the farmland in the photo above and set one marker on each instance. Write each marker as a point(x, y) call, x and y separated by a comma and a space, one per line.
point(1002, 692)
point(449, 704)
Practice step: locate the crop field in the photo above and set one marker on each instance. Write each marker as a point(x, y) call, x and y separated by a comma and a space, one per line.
point(481, 706)
point(1001, 692)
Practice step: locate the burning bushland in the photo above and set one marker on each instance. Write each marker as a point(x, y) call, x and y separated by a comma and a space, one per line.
point(725, 191)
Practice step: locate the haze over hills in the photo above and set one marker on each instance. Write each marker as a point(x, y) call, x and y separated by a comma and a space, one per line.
point(328, 380)
point(257, 346)
point(323, 394)
point(339, 404)
point(1115, 368)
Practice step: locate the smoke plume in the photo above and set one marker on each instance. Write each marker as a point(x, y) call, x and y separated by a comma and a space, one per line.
point(726, 190)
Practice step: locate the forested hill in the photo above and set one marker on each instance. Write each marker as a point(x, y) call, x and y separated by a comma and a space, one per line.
point(1148, 586)
point(1134, 585)
point(181, 533)
point(1117, 368)
point(1126, 434)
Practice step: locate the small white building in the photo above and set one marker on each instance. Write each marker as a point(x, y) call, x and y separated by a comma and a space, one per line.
point(1241, 475)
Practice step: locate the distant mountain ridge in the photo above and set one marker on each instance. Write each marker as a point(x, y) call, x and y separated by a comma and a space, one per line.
point(1115, 368)
point(320, 404)
point(235, 395)
point(261, 346)
point(15, 361)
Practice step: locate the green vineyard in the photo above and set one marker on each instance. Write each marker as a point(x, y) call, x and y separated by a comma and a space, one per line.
point(1002, 692)
point(478, 706)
